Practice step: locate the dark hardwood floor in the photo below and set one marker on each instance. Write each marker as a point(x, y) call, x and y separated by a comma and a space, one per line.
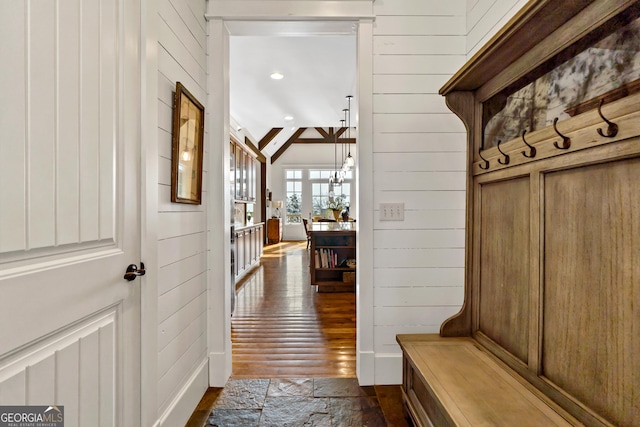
point(294, 360)
point(283, 328)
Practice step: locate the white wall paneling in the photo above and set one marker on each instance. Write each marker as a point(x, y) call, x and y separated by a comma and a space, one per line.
point(176, 249)
point(419, 239)
point(420, 45)
point(419, 156)
point(420, 8)
point(419, 276)
point(407, 296)
point(191, 358)
point(419, 180)
point(171, 301)
point(425, 123)
point(420, 25)
point(192, 391)
point(432, 218)
point(409, 83)
point(416, 162)
point(417, 142)
point(260, 9)
point(425, 200)
point(170, 354)
point(181, 229)
point(409, 103)
point(413, 315)
point(417, 64)
point(485, 18)
point(175, 324)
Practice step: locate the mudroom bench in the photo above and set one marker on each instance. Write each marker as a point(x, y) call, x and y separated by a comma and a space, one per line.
point(548, 331)
point(455, 382)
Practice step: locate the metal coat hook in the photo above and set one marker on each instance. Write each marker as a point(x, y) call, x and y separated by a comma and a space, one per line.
point(484, 166)
point(612, 130)
point(504, 161)
point(566, 141)
point(532, 149)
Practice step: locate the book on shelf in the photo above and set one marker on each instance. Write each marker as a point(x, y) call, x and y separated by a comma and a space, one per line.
point(327, 258)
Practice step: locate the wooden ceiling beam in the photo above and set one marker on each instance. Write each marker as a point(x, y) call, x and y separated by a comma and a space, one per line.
point(261, 157)
point(323, 132)
point(287, 144)
point(324, 141)
point(268, 138)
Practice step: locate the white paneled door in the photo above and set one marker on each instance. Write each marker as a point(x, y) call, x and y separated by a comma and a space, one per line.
point(69, 211)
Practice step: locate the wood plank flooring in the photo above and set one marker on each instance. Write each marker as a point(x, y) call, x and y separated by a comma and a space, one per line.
point(283, 328)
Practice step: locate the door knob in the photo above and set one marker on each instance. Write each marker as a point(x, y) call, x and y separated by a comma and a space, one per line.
point(133, 271)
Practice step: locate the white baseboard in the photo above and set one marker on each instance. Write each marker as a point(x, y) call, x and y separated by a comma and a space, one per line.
point(220, 367)
point(366, 368)
point(177, 413)
point(388, 368)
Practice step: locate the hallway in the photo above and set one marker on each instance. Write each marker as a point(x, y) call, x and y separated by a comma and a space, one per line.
point(283, 328)
point(294, 359)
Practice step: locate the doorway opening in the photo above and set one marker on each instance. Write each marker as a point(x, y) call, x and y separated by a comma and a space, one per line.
point(281, 326)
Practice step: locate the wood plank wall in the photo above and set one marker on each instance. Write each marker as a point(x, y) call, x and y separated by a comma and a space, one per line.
point(485, 18)
point(419, 158)
point(182, 230)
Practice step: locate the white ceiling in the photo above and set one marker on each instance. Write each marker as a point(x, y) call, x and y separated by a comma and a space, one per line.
point(318, 61)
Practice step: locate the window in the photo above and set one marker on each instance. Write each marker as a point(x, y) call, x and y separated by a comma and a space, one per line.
point(320, 189)
point(294, 197)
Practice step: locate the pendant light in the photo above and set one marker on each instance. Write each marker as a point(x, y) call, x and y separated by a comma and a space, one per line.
point(349, 161)
point(343, 169)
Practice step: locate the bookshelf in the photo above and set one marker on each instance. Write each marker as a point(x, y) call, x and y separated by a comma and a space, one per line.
point(332, 258)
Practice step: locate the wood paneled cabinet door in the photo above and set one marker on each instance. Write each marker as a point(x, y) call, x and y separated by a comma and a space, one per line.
point(274, 230)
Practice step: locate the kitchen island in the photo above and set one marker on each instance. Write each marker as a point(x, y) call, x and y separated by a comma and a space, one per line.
point(333, 256)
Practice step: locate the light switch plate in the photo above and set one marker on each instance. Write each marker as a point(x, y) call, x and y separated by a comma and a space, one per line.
point(391, 211)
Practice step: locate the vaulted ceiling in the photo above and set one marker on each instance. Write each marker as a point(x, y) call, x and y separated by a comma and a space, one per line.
point(318, 61)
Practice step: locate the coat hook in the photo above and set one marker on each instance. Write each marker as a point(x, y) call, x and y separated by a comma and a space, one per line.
point(504, 161)
point(566, 141)
point(484, 166)
point(612, 130)
point(532, 149)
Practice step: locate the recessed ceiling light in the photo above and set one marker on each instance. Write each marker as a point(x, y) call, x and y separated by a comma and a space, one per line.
point(277, 76)
point(288, 118)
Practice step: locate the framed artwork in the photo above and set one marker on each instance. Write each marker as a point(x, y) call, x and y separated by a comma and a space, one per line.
point(188, 150)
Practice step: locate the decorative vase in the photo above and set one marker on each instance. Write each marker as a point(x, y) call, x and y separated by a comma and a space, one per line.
point(336, 214)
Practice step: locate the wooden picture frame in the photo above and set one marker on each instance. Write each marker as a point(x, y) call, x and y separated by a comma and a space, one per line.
point(187, 148)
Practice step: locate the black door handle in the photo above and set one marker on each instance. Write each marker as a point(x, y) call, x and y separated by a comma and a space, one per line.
point(133, 271)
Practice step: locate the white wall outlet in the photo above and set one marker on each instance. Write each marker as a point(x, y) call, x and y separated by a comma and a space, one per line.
point(391, 211)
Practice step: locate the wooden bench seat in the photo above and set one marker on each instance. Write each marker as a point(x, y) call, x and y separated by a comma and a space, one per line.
point(455, 382)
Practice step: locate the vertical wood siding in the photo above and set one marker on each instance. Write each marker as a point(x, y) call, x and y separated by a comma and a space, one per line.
point(485, 18)
point(182, 231)
point(419, 152)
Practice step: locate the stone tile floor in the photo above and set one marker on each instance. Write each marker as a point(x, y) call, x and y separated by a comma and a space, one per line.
point(319, 402)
